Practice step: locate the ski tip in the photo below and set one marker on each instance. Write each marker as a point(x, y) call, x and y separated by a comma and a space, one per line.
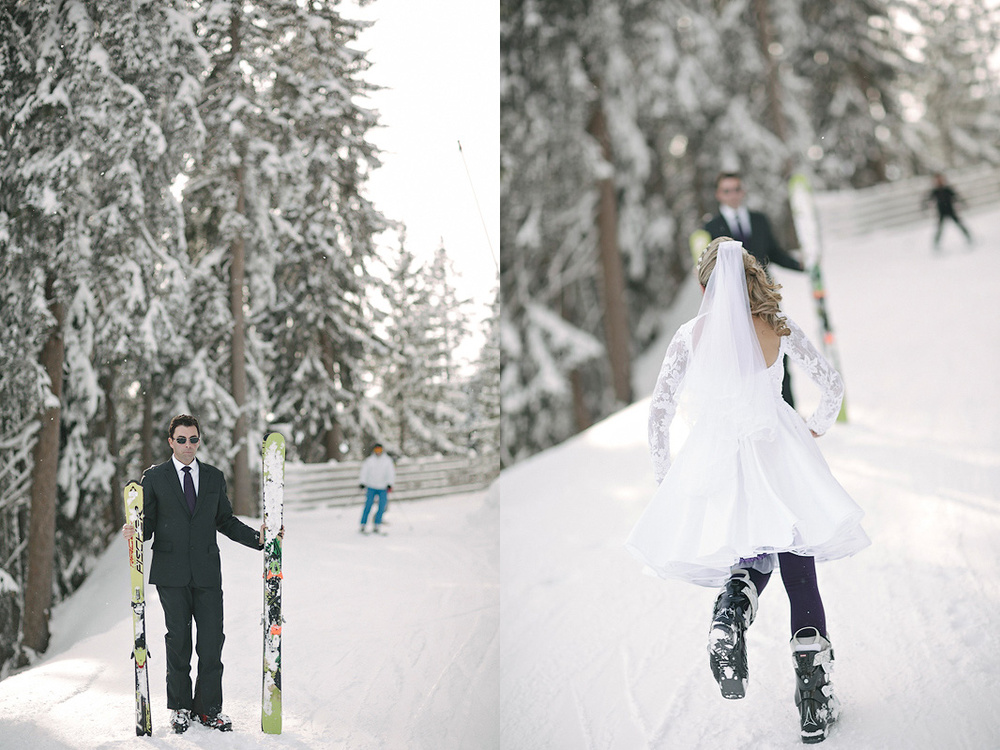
point(799, 180)
point(698, 241)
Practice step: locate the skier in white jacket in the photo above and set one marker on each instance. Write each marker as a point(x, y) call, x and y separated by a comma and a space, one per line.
point(377, 475)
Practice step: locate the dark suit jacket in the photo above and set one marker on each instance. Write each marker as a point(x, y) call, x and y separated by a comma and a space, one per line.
point(762, 244)
point(185, 547)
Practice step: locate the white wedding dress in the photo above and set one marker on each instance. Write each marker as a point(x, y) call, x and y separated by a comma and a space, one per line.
point(749, 480)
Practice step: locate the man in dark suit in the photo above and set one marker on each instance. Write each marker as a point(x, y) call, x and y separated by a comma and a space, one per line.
point(184, 505)
point(749, 227)
point(754, 230)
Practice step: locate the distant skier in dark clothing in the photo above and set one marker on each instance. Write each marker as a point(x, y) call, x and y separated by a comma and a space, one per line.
point(945, 197)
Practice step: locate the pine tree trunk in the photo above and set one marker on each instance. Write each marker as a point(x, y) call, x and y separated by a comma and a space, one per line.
point(333, 440)
point(42, 524)
point(582, 418)
point(115, 514)
point(334, 436)
point(772, 81)
point(241, 494)
point(581, 414)
point(402, 426)
point(146, 457)
point(616, 331)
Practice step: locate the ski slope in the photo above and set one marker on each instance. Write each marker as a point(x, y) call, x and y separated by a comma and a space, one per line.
point(390, 642)
point(597, 655)
point(516, 620)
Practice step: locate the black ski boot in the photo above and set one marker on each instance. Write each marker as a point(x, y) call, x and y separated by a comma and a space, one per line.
point(735, 609)
point(818, 706)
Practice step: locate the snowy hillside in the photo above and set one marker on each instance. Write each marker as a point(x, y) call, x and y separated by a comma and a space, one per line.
point(597, 655)
point(389, 642)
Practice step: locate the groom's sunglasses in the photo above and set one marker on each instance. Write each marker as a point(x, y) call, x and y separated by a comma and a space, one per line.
point(182, 440)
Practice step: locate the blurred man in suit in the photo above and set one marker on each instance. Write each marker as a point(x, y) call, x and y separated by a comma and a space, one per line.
point(753, 229)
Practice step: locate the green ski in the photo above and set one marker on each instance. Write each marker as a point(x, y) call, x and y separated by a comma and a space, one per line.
point(806, 222)
point(273, 490)
point(698, 241)
point(133, 515)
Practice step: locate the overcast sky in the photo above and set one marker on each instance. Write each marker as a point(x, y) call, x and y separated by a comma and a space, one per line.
point(440, 64)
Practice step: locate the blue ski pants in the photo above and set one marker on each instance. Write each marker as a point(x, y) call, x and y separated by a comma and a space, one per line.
point(383, 498)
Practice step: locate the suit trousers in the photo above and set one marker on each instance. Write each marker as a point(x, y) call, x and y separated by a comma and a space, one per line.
point(786, 384)
point(180, 605)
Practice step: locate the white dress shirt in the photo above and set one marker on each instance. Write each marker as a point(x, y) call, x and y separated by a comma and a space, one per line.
point(180, 474)
point(732, 214)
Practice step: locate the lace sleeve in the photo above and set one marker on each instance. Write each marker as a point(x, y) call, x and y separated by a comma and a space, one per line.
point(801, 350)
point(664, 402)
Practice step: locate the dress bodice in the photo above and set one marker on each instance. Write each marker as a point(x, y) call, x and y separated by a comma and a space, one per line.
point(796, 346)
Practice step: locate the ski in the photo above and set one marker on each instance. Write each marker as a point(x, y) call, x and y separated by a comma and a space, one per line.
point(133, 515)
point(273, 490)
point(698, 241)
point(806, 223)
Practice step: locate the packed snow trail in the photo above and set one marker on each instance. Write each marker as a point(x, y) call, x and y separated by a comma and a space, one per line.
point(394, 643)
point(597, 655)
point(390, 642)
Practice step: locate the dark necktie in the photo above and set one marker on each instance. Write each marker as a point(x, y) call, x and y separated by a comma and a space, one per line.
point(189, 488)
point(740, 234)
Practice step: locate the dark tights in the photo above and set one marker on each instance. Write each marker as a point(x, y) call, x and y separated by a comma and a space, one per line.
point(799, 576)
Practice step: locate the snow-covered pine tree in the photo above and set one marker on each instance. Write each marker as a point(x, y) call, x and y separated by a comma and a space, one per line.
point(550, 320)
point(319, 322)
point(419, 403)
point(140, 90)
point(849, 65)
point(83, 199)
point(21, 380)
point(154, 55)
point(231, 238)
point(952, 86)
point(448, 322)
point(484, 388)
point(48, 191)
point(23, 322)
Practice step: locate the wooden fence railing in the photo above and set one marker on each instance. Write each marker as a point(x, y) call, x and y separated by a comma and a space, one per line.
point(850, 213)
point(336, 483)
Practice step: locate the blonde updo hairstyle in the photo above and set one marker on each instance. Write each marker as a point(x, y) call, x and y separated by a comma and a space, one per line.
point(764, 297)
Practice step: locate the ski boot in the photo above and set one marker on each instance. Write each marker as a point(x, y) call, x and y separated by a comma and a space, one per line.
point(735, 609)
point(818, 706)
point(180, 720)
point(216, 721)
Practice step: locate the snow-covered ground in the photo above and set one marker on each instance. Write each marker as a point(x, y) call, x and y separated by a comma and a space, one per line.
point(516, 619)
point(597, 655)
point(390, 642)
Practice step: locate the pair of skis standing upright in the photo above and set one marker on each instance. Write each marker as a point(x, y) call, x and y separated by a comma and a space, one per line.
point(273, 461)
point(806, 220)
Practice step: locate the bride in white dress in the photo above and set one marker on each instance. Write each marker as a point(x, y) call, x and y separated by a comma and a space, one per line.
point(749, 489)
point(749, 480)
